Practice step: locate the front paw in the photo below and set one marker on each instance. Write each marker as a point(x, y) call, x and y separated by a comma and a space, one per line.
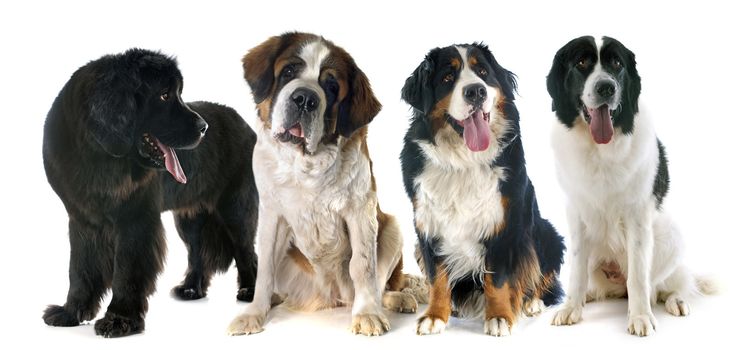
point(57, 316)
point(428, 324)
point(533, 307)
point(246, 294)
point(497, 327)
point(568, 315)
point(370, 324)
point(114, 326)
point(642, 325)
point(399, 302)
point(184, 292)
point(246, 324)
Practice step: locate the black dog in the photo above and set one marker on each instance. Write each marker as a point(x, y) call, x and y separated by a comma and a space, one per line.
point(115, 125)
point(482, 243)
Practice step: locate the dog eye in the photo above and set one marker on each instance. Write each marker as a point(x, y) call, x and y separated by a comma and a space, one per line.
point(164, 96)
point(582, 64)
point(483, 72)
point(448, 78)
point(616, 63)
point(288, 72)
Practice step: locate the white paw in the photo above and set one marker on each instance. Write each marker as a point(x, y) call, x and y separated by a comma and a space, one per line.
point(370, 324)
point(533, 307)
point(430, 325)
point(399, 302)
point(246, 324)
point(642, 325)
point(567, 315)
point(497, 327)
point(677, 306)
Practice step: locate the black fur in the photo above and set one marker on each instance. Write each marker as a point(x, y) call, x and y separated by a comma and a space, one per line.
point(113, 187)
point(662, 180)
point(526, 233)
point(565, 81)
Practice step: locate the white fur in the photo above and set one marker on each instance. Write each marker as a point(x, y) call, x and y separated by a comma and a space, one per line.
point(324, 205)
point(613, 217)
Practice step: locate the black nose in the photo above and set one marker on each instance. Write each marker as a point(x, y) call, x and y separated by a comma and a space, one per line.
point(475, 94)
point(202, 126)
point(305, 99)
point(605, 88)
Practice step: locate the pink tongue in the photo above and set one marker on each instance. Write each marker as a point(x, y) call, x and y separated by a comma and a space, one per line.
point(476, 133)
point(172, 162)
point(297, 131)
point(601, 125)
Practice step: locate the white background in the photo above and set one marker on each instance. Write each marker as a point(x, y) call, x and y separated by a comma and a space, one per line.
point(685, 57)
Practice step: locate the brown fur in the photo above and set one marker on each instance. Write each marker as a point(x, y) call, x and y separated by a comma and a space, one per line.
point(504, 302)
point(440, 303)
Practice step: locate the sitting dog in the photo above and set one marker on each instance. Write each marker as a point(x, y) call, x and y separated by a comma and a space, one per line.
point(323, 240)
point(113, 129)
point(613, 169)
point(482, 242)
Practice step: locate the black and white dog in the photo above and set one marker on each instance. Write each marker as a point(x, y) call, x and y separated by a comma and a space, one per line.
point(614, 171)
point(482, 243)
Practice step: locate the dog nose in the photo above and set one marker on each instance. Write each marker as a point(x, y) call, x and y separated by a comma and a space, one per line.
point(475, 94)
point(202, 126)
point(605, 88)
point(305, 99)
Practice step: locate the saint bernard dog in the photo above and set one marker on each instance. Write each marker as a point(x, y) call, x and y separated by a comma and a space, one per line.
point(481, 240)
point(322, 238)
point(613, 169)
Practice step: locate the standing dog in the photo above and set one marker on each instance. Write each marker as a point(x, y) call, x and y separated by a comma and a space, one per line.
point(113, 129)
point(323, 240)
point(482, 242)
point(614, 171)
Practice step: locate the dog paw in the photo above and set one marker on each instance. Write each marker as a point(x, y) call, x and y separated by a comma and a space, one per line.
point(418, 287)
point(533, 307)
point(430, 325)
point(114, 326)
point(184, 292)
point(246, 294)
point(246, 324)
point(497, 327)
point(57, 316)
point(567, 315)
point(399, 302)
point(370, 324)
point(677, 306)
point(642, 325)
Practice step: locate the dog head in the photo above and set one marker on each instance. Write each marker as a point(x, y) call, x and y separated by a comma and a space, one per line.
point(308, 91)
point(595, 80)
point(463, 87)
point(136, 101)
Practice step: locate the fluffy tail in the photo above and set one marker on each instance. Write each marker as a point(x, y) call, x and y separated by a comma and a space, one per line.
point(707, 285)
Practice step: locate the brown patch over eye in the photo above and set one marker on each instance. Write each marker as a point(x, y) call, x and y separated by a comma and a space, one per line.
point(472, 61)
point(448, 78)
point(164, 96)
point(455, 63)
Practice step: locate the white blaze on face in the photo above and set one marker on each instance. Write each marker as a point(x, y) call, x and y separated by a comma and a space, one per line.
point(313, 55)
point(459, 108)
point(590, 97)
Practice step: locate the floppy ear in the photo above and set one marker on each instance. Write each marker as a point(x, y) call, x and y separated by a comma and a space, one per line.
point(359, 107)
point(417, 90)
point(632, 89)
point(258, 67)
point(563, 102)
point(112, 112)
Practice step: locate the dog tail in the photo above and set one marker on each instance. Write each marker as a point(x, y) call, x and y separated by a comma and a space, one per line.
point(707, 285)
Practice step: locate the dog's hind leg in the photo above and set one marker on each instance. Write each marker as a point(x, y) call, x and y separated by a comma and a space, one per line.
point(90, 273)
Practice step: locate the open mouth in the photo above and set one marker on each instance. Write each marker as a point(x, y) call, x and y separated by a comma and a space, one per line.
point(475, 130)
point(161, 156)
point(293, 134)
point(600, 123)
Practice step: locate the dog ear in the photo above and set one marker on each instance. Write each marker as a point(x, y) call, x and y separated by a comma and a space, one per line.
point(630, 96)
point(112, 112)
point(506, 78)
point(417, 90)
point(360, 105)
point(258, 67)
point(563, 103)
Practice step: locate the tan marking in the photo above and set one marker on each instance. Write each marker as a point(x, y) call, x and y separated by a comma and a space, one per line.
point(504, 302)
point(438, 118)
point(455, 63)
point(440, 303)
point(472, 61)
point(300, 260)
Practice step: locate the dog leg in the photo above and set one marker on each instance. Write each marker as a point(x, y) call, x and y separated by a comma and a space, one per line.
point(140, 248)
point(239, 212)
point(90, 273)
point(640, 247)
point(368, 318)
point(272, 243)
point(191, 228)
point(502, 305)
point(440, 305)
point(572, 310)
